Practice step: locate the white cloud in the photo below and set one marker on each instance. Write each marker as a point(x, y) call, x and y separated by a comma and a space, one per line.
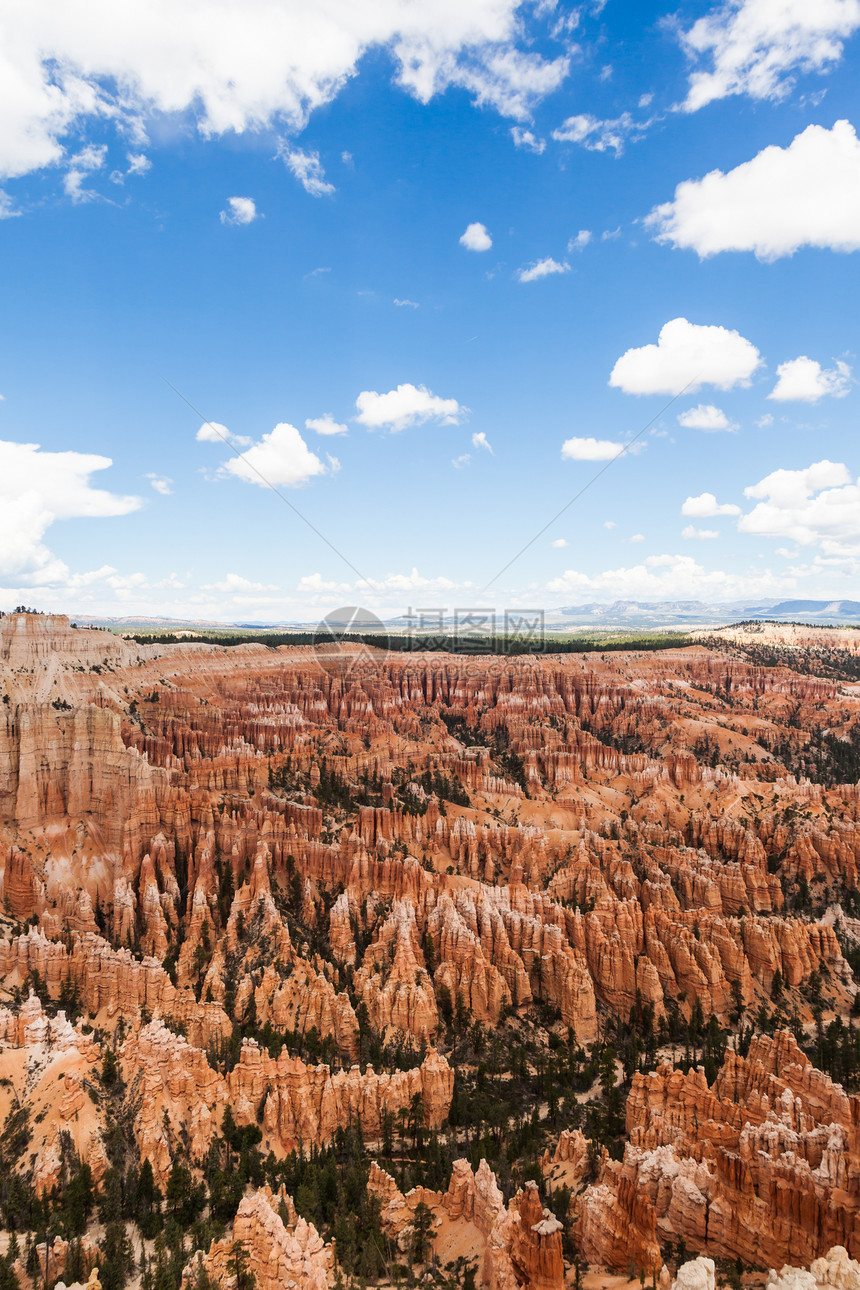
point(84, 163)
point(138, 163)
point(8, 209)
point(476, 238)
point(706, 506)
point(507, 80)
point(235, 582)
point(807, 194)
point(480, 440)
point(764, 422)
point(591, 449)
point(316, 582)
point(229, 68)
point(817, 506)
point(803, 380)
point(160, 483)
point(391, 590)
point(609, 524)
point(527, 139)
point(756, 46)
point(705, 417)
point(280, 459)
point(213, 432)
point(307, 169)
point(325, 424)
point(38, 488)
point(559, 543)
point(242, 210)
point(686, 354)
point(610, 234)
point(670, 577)
point(580, 241)
point(637, 537)
point(600, 136)
point(691, 533)
point(463, 460)
point(406, 304)
point(542, 269)
point(407, 405)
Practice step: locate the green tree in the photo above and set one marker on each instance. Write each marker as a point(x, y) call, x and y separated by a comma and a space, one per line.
point(110, 1068)
point(117, 1257)
point(422, 1232)
point(78, 1200)
point(237, 1266)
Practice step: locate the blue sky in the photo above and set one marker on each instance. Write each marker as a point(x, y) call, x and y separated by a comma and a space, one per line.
point(479, 240)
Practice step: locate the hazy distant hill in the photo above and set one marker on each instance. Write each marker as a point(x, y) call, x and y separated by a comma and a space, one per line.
point(620, 613)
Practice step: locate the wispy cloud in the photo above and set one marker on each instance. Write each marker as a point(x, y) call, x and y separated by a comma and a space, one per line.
point(307, 169)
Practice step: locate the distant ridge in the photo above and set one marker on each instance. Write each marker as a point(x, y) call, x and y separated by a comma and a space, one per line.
point(629, 614)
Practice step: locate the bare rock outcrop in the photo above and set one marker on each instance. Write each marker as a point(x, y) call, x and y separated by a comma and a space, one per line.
point(279, 1248)
point(759, 1166)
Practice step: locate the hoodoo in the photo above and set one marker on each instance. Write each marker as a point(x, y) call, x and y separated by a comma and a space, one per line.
point(522, 965)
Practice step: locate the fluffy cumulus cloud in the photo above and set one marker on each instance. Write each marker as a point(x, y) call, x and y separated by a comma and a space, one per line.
point(686, 355)
point(591, 449)
point(215, 432)
point(817, 506)
point(706, 506)
point(394, 590)
point(803, 380)
point(480, 440)
point(281, 459)
point(756, 47)
point(476, 238)
point(669, 577)
point(160, 483)
point(559, 543)
point(807, 194)
point(325, 424)
point(542, 269)
point(240, 210)
point(38, 488)
point(705, 417)
point(407, 405)
point(66, 66)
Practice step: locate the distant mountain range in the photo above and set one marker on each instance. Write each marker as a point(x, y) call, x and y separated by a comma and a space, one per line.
point(696, 613)
point(631, 614)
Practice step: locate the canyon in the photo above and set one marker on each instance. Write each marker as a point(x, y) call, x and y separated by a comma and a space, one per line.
point(558, 948)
